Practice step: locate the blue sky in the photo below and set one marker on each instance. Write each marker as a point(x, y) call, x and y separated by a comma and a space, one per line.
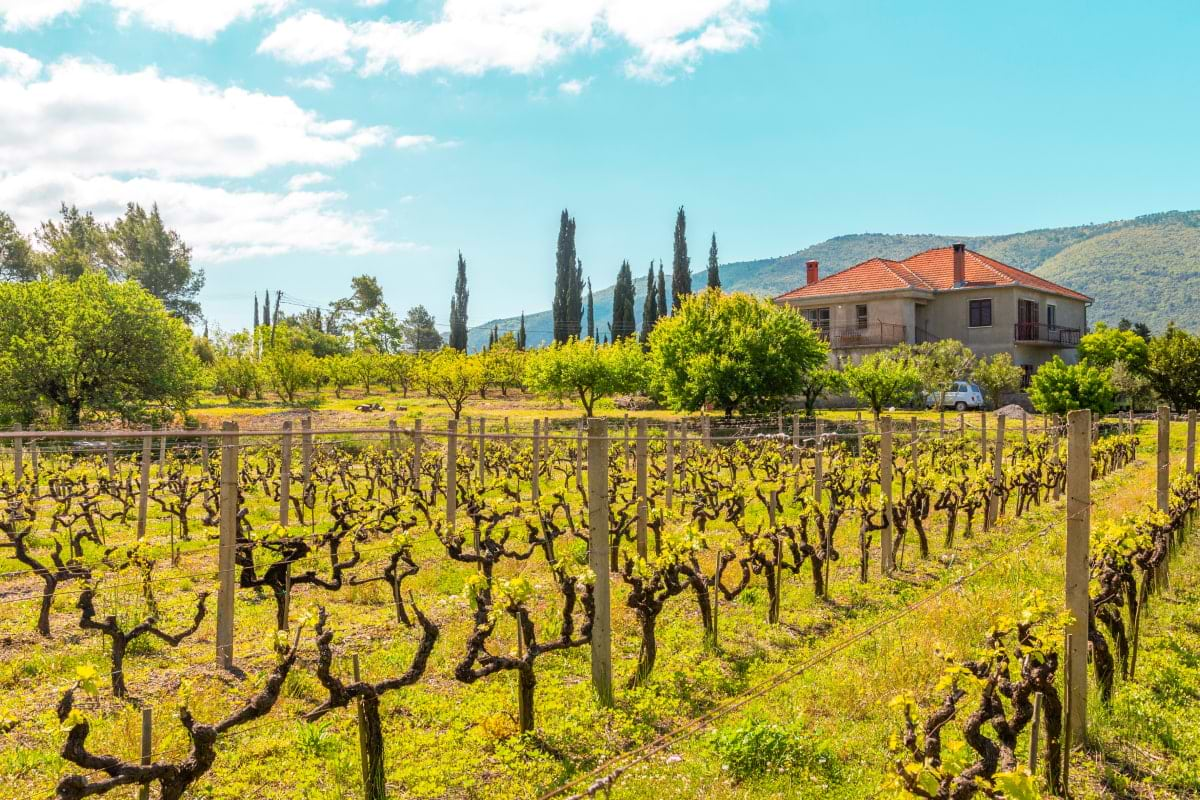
point(296, 144)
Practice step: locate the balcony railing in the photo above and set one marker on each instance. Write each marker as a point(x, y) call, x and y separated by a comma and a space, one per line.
point(874, 334)
point(1037, 333)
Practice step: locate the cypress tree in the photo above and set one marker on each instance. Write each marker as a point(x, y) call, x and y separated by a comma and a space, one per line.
point(681, 276)
point(521, 333)
point(591, 328)
point(458, 308)
point(575, 319)
point(255, 328)
point(649, 306)
point(564, 280)
point(623, 323)
point(714, 271)
point(662, 292)
point(266, 314)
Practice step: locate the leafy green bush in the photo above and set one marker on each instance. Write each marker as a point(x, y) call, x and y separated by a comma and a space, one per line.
point(1058, 387)
point(757, 748)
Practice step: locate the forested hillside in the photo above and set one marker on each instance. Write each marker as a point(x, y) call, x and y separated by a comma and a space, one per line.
point(1146, 269)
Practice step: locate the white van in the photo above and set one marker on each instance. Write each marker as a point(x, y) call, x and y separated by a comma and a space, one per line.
point(961, 396)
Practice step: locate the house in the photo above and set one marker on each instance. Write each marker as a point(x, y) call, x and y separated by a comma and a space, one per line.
point(944, 293)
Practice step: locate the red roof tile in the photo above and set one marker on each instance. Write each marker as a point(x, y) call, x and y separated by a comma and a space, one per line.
point(930, 271)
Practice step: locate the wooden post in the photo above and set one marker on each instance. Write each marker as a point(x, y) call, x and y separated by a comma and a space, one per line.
point(598, 536)
point(942, 423)
point(1079, 502)
point(1034, 731)
point(18, 455)
point(858, 428)
point(34, 458)
point(993, 509)
point(110, 460)
point(162, 454)
point(579, 452)
point(1164, 457)
point(306, 450)
point(481, 454)
point(1191, 442)
point(962, 423)
point(775, 601)
point(669, 497)
point(706, 430)
point(228, 544)
point(285, 472)
point(628, 454)
point(392, 437)
point(887, 557)
point(983, 442)
point(147, 748)
point(144, 489)
point(914, 445)
point(416, 456)
point(535, 466)
point(373, 786)
point(818, 461)
point(205, 468)
point(1024, 427)
point(640, 471)
point(451, 473)
point(779, 419)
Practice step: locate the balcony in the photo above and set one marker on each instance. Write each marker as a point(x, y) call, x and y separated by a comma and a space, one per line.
point(874, 334)
point(1048, 335)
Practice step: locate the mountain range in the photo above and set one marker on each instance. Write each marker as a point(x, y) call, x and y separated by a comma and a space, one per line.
point(1146, 269)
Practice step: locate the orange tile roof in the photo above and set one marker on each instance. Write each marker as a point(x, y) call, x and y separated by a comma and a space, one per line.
point(930, 271)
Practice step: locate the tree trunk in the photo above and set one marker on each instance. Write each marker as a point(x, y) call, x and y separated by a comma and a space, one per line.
point(372, 733)
point(648, 652)
point(526, 682)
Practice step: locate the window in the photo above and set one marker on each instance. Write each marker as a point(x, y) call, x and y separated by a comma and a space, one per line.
point(980, 313)
point(860, 317)
point(818, 318)
point(1051, 316)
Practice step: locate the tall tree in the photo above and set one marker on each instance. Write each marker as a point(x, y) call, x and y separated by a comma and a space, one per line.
point(76, 245)
point(565, 280)
point(714, 271)
point(521, 333)
point(662, 292)
point(623, 323)
point(18, 262)
point(458, 308)
point(255, 312)
point(591, 312)
point(266, 312)
point(681, 265)
point(649, 305)
point(146, 251)
point(575, 317)
point(420, 330)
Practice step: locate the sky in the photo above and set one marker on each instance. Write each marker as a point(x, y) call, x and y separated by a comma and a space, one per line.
point(297, 143)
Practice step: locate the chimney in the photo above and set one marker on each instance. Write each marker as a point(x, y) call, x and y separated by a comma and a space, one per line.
point(960, 265)
point(813, 276)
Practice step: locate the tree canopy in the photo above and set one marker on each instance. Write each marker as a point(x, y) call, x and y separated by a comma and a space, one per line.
point(1058, 387)
point(883, 379)
point(1106, 346)
point(586, 371)
point(1173, 366)
point(91, 347)
point(996, 376)
point(734, 351)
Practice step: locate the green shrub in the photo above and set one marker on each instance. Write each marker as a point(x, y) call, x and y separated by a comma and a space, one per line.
point(757, 748)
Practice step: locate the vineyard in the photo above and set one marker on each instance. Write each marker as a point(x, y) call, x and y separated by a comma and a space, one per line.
point(487, 611)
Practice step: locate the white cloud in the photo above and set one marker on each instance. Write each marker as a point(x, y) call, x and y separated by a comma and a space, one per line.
point(199, 20)
point(85, 133)
point(413, 141)
point(220, 224)
point(574, 86)
point(15, 65)
point(319, 82)
point(521, 36)
point(90, 119)
point(24, 14)
point(297, 182)
point(308, 38)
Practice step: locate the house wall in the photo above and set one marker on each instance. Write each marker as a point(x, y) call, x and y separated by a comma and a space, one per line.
point(946, 316)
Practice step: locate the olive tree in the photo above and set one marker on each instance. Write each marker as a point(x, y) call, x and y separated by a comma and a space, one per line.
point(453, 377)
point(1058, 387)
point(733, 351)
point(586, 371)
point(92, 346)
point(882, 379)
point(997, 375)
